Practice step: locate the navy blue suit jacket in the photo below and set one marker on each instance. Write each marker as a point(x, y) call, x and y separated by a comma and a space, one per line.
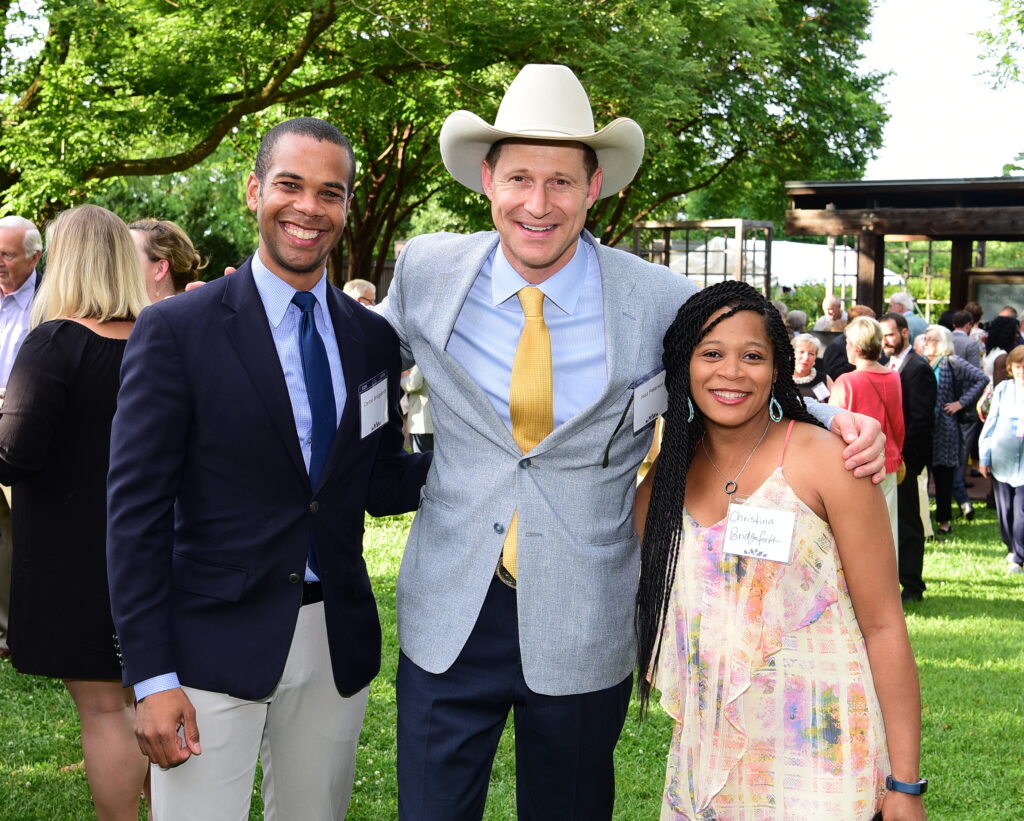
point(919, 389)
point(210, 506)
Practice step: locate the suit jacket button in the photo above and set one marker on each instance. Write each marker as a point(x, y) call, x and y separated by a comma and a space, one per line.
point(294, 578)
point(314, 506)
point(499, 527)
point(525, 463)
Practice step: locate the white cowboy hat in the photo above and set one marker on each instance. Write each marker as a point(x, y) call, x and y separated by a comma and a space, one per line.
point(544, 102)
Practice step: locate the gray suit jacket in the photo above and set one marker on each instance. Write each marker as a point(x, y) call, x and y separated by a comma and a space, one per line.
point(578, 550)
point(967, 347)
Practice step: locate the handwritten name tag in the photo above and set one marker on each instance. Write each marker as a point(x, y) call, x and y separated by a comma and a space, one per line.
point(373, 404)
point(759, 532)
point(820, 391)
point(650, 400)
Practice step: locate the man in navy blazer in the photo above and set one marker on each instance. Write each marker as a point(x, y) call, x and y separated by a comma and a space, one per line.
point(919, 389)
point(238, 587)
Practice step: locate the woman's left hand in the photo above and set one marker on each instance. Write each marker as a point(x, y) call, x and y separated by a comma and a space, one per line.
point(898, 806)
point(952, 408)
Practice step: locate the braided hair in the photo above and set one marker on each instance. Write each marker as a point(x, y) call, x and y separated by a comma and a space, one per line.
point(660, 547)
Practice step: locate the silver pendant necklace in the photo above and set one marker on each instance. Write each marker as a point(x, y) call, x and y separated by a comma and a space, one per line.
point(730, 484)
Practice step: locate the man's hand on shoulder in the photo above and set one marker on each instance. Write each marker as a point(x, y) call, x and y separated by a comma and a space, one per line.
point(200, 283)
point(865, 451)
point(157, 720)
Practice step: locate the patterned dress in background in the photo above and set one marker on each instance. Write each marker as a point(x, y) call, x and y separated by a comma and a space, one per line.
point(764, 668)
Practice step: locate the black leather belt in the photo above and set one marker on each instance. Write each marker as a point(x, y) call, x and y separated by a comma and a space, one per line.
point(312, 592)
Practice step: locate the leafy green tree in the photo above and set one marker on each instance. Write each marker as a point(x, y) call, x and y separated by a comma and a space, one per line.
point(733, 95)
point(207, 201)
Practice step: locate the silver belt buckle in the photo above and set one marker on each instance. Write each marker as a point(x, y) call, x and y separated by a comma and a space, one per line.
point(506, 578)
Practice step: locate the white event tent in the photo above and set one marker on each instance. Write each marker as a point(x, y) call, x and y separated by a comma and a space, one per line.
point(792, 263)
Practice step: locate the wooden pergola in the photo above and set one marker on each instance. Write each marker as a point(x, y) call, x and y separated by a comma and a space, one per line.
point(963, 211)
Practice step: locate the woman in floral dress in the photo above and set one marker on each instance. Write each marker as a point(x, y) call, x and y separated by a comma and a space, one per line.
point(769, 614)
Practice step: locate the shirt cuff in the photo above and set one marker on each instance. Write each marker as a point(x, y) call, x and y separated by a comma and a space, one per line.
point(157, 684)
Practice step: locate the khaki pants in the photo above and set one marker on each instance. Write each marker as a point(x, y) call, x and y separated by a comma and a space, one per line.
point(304, 732)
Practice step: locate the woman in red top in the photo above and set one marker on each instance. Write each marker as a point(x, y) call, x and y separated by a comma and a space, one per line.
point(874, 390)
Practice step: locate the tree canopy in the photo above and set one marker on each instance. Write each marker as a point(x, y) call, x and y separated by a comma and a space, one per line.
point(734, 96)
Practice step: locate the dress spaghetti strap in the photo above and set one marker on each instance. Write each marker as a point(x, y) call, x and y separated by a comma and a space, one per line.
point(785, 443)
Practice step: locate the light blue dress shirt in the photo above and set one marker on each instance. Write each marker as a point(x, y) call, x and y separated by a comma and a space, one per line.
point(488, 328)
point(284, 318)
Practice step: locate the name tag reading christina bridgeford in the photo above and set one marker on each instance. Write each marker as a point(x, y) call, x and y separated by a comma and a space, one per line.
point(759, 532)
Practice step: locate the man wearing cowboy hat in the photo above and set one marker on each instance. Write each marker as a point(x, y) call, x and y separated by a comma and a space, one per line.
point(542, 350)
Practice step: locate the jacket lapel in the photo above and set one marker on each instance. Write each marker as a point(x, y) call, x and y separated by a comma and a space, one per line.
point(454, 287)
point(623, 319)
point(351, 347)
point(249, 332)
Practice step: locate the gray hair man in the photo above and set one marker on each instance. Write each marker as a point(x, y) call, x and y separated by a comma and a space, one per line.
point(362, 291)
point(20, 249)
point(903, 303)
point(797, 321)
point(833, 312)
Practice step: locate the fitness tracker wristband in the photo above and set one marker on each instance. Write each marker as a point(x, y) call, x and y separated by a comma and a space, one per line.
point(909, 787)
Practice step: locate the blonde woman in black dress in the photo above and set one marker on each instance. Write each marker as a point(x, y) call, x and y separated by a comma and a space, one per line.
point(54, 450)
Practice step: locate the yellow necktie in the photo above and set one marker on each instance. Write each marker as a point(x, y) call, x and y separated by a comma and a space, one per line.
point(529, 401)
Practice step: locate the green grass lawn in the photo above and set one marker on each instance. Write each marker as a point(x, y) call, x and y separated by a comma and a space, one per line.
point(968, 635)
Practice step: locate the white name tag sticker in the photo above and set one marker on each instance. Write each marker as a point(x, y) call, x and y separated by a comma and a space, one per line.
point(650, 400)
point(820, 391)
point(373, 404)
point(759, 532)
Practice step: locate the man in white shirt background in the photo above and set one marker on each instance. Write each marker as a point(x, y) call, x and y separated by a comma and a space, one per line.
point(834, 312)
point(20, 249)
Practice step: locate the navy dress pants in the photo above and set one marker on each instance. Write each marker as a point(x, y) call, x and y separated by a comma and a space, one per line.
point(449, 725)
point(1010, 510)
point(910, 528)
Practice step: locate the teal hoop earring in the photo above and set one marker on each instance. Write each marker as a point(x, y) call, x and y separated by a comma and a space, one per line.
point(774, 408)
point(689, 404)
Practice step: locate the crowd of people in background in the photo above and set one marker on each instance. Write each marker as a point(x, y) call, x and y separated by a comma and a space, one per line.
point(946, 416)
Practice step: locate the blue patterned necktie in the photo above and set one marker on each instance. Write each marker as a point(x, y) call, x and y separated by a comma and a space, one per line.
point(320, 392)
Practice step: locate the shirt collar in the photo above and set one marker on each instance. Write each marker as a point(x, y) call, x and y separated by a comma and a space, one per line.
point(563, 288)
point(23, 296)
point(277, 294)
